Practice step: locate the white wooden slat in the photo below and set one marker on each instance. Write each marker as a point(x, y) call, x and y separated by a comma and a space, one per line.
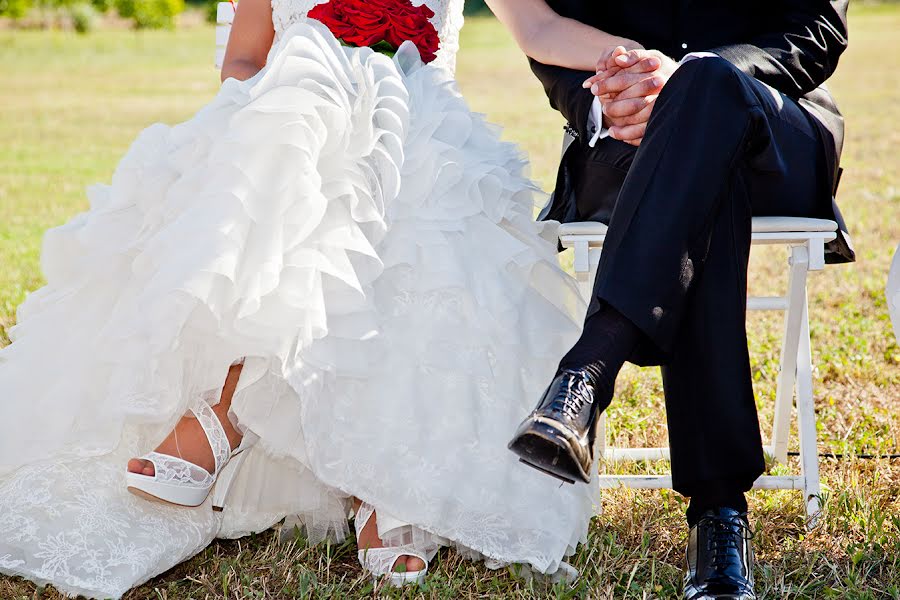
point(659, 482)
point(222, 33)
point(767, 303)
point(806, 422)
point(224, 18)
point(225, 12)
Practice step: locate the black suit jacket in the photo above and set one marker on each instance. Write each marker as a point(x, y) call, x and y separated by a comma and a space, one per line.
point(791, 45)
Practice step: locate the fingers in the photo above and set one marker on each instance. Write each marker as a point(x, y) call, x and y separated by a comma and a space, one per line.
point(617, 83)
point(641, 116)
point(631, 58)
point(608, 56)
point(600, 76)
point(649, 86)
point(644, 66)
point(629, 132)
point(626, 108)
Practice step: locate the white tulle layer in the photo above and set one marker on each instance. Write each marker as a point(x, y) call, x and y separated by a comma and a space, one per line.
point(344, 221)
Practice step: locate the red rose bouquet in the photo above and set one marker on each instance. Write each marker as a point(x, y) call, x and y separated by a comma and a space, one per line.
point(380, 24)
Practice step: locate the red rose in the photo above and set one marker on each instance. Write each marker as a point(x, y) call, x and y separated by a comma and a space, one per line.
point(374, 22)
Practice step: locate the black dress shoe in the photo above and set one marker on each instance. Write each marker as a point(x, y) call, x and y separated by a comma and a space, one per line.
point(558, 436)
point(720, 557)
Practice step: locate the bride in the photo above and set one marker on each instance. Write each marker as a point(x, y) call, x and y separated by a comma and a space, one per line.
point(339, 240)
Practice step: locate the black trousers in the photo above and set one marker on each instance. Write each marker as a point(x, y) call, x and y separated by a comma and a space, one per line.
point(720, 148)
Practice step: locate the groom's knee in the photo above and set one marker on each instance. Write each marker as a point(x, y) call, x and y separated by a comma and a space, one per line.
point(711, 86)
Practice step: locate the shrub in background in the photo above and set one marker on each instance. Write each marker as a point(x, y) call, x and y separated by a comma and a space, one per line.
point(15, 9)
point(125, 8)
point(476, 7)
point(212, 8)
point(150, 14)
point(84, 17)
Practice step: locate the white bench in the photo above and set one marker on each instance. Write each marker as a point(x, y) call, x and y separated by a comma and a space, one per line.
point(806, 239)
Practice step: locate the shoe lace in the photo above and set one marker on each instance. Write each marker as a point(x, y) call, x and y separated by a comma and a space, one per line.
point(725, 536)
point(574, 395)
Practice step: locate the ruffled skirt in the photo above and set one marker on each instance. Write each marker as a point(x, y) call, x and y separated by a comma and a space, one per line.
point(344, 222)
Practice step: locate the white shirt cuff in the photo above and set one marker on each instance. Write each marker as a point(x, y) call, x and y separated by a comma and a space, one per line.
point(595, 123)
point(595, 119)
point(692, 55)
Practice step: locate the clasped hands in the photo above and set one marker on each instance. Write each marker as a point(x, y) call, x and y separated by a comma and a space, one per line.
point(627, 83)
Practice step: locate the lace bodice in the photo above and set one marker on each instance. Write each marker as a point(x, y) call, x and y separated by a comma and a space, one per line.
point(448, 20)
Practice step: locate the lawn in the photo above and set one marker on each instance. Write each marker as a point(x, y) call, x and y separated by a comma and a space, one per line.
point(71, 105)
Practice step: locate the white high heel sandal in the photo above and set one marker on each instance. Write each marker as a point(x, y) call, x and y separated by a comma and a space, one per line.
point(380, 561)
point(180, 482)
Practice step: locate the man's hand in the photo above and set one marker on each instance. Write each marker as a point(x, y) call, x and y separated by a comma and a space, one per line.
point(627, 83)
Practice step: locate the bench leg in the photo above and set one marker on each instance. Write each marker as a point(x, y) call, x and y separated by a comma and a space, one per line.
point(806, 421)
point(787, 377)
point(583, 272)
point(600, 442)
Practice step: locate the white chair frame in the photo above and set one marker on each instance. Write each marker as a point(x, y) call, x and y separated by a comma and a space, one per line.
point(224, 18)
point(806, 239)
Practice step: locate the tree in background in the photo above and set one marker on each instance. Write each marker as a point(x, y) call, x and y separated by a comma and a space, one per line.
point(476, 7)
point(83, 15)
point(150, 14)
point(14, 9)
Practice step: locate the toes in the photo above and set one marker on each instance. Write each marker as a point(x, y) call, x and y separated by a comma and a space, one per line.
point(136, 465)
point(414, 563)
point(400, 565)
point(141, 467)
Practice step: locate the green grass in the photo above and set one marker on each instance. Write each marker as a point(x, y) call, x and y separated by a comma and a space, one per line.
point(71, 105)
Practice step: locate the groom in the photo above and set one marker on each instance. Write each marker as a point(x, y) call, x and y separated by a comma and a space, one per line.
point(723, 116)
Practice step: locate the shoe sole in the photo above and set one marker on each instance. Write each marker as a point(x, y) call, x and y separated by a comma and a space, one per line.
point(399, 580)
point(549, 454)
point(148, 496)
point(148, 488)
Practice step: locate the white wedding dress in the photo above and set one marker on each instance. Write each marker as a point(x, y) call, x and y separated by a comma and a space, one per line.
point(347, 224)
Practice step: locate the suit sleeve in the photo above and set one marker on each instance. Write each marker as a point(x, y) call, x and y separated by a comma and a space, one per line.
point(802, 50)
point(563, 88)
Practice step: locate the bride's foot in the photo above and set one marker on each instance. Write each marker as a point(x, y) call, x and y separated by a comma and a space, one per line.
point(188, 440)
point(201, 456)
point(367, 540)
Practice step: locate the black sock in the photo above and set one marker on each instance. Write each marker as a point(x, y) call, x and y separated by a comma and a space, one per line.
point(606, 343)
point(715, 494)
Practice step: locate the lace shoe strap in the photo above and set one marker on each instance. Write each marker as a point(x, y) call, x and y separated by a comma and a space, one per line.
point(215, 433)
point(363, 515)
point(380, 561)
point(171, 469)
